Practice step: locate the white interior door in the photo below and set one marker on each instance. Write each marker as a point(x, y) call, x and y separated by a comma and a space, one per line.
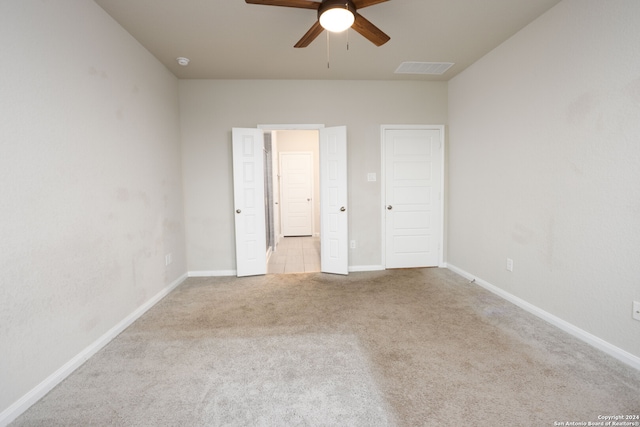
point(413, 205)
point(334, 231)
point(297, 188)
point(276, 188)
point(248, 195)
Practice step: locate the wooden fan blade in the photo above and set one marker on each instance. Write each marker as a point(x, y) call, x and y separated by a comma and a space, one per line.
point(370, 31)
point(315, 30)
point(300, 4)
point(365, 3)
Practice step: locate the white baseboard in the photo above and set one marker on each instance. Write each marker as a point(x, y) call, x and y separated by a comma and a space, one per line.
point(25, 402)
point(602, 345)
point(357, 268)
point(212, 273)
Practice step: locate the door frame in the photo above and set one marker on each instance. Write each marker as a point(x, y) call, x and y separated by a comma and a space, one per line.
point(383, 129)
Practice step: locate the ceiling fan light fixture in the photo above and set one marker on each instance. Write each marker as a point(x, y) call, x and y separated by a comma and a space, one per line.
point(336, 16)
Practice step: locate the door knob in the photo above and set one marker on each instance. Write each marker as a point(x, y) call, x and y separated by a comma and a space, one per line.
point(342, 209)
point(238, 211)
point(308, 200)
point(389, 207)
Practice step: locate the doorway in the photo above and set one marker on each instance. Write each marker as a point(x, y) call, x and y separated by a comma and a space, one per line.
point(296, 177)
point(249, 193)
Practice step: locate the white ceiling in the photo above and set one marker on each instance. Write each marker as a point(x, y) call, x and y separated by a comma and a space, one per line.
point(229, 39)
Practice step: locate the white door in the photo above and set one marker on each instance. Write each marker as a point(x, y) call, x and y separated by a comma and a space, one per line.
point(248, 196)
point(412, 194)
point(334, 233)
point(297, 188)
point(276, 189)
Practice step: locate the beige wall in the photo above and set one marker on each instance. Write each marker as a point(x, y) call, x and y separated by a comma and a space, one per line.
point(210, 108)
point(91, 184)
point(544, 167)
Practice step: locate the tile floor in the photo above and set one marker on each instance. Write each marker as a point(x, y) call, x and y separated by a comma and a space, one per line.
point(295, 255)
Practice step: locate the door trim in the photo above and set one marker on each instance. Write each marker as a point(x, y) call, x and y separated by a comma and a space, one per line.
point(291, 127)
point(383, 129)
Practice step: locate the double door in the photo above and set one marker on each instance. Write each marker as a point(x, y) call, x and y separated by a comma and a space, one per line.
point(248, 177)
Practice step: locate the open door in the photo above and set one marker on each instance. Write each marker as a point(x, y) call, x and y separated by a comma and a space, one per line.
point(334, 233)
point(248, 197)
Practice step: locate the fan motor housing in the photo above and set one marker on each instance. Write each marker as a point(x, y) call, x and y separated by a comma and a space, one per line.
point(332, 4)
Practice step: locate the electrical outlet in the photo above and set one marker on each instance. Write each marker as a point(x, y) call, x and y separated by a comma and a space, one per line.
point(167, 259)
point(509, 264)
point(352, 244)
point(636, 310)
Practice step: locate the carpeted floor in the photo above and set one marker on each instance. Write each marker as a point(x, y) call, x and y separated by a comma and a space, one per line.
point(417, 347)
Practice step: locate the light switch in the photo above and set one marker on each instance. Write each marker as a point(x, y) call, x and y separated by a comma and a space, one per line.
point(371, 176)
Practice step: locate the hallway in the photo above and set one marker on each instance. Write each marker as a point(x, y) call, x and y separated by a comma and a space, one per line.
point(295, 255)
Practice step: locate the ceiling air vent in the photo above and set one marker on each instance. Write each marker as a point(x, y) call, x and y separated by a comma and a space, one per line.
point(423, 67)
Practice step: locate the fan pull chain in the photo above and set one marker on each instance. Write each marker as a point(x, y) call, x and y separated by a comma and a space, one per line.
point(328, 50)
point(348, 38)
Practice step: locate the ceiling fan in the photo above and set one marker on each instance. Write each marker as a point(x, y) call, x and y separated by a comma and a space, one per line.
point(344, 12)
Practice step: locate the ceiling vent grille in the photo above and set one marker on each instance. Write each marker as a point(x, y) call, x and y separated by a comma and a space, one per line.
point(423, 67)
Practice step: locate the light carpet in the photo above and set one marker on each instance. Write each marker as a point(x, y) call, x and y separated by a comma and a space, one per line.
point(416, 347)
